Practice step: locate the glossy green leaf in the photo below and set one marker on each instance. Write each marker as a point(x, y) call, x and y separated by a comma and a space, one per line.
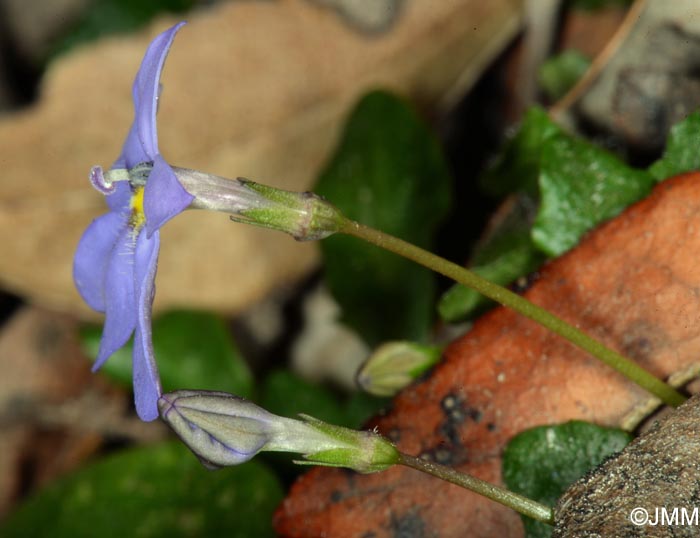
point(388, 172)
point(104, 17)
point(504, 255)
point(581, 185)
point(681, 154)
point(578, 186)
point(518, 164)
point(561, 72)
point(541, 463)
point(194, 350)
point(160, 491)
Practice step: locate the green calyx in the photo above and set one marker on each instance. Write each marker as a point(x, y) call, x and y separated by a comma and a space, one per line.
point(364, 451)
point(304, 215)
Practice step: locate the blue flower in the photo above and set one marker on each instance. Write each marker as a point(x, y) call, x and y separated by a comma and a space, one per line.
point(116, 260)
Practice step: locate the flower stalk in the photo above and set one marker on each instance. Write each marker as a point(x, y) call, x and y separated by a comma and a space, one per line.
point(307, 216)
point(623, 365)
point(520, 504)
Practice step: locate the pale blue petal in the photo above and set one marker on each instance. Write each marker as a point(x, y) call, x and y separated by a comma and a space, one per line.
point(141, 144)
point(120, 200)
point(133, 151)
point(92, 258)
point(145, 93)
point(164, 197)
point(120, 298)
point(147, 389)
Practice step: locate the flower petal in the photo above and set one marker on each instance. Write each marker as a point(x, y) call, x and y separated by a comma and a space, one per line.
point(141, 143)
point(92, 258)
point(164, 196)
point(120, 298)
point(133, 151)
point(147, 389)
point(120, 199)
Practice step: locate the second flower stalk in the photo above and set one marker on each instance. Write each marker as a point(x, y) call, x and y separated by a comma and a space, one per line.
point(222, 429)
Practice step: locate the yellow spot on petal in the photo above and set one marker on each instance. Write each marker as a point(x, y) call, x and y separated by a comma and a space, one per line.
point(138, 217)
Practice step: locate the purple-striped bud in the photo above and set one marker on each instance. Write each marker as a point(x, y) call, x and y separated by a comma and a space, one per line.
point(222, 429)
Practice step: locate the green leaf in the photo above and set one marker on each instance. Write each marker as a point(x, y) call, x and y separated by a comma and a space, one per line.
point(681, 154)
point(388, 173)
point(159, 491)
point(506, 254)
point(581, 185)
point(541, 463)
point(104, 17)
point(561, 72)
point(518, 164)
point(194, 350)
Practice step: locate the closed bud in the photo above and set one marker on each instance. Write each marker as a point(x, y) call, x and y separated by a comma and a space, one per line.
point(222, 429)
point(395, 365)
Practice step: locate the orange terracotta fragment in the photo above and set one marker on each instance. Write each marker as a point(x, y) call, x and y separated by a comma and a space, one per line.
point(633, 283)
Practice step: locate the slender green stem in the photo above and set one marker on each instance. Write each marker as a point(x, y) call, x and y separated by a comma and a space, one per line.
point(520, 504)
point(625, 366)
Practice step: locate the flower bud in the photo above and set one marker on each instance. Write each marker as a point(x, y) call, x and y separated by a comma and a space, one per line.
point(304, 215)
point(222, 429)
point(395, 365)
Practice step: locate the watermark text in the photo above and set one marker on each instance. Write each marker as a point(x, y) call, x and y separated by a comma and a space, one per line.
point(662, 516)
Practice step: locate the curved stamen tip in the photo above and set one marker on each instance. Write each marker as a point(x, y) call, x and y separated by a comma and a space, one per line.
point(99, 181)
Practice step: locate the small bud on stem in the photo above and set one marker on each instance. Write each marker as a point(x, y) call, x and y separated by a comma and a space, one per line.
point(395, 365)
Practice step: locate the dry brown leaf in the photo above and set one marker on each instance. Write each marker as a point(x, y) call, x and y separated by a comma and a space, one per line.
point(41, 362)
point(54, 413)
point(254, 89)
point(41, 365)
point(633, 284)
